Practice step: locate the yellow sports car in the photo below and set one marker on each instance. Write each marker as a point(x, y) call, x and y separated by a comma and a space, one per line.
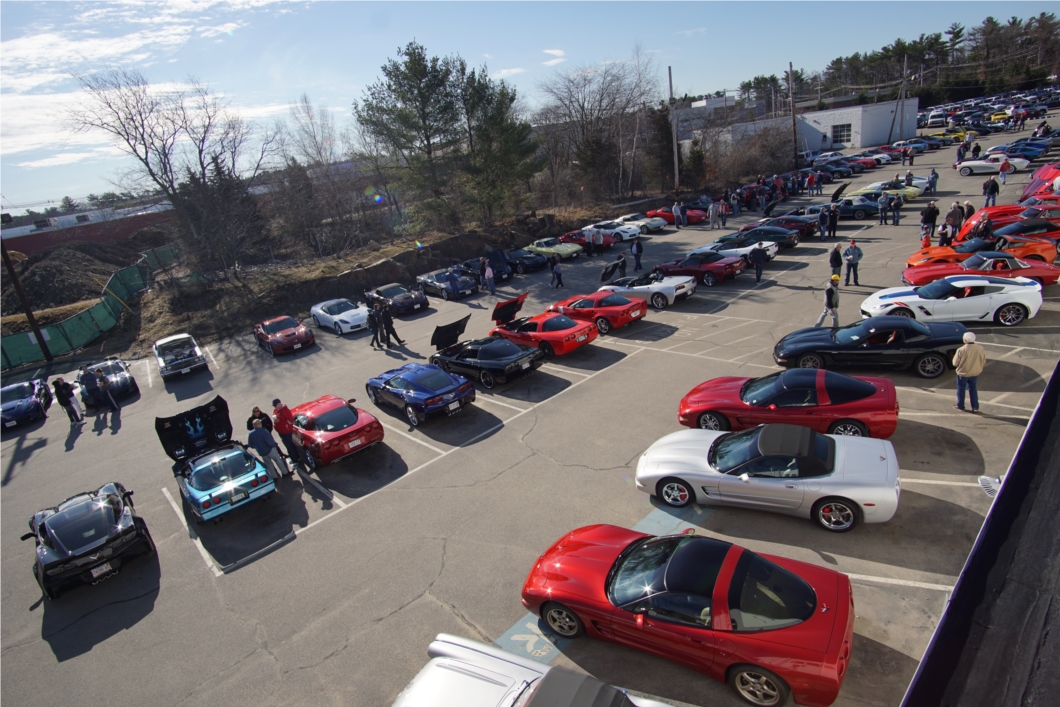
point(891, 187)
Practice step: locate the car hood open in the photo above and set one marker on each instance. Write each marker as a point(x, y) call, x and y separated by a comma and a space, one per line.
point(195, 431)
point(505, 312)
point(448, 334)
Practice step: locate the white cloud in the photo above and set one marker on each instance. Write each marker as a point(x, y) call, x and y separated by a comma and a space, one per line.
point(226, 28)
point(555, 52)
point(558, 53)
point(487, 56)
point(553, 62)
point(690, 32)
point(505, 73)
point(65, 158)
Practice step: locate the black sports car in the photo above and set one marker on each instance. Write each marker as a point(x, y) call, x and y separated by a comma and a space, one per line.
point(893, 342)
point(523, 261)
point(122, 383)
point(1037, 227)
point(399, 298)
point(502, 271)
point(437, 283)
point(781, 236)
point(490, 361)
point(86, 538)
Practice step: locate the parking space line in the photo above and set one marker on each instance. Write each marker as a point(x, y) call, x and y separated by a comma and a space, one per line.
point(938, 483)
point(716, 333)
point(414, 439)
point(724, 316)
point(488, 399)
point(982, 402)
point(682, 353)
point(147, 367)
point(899, 582)
point(194, 538)
point(1010, 346)
point(754, 287)
point(1028, 384)
point(571, 370)
point(767, 348)
point(210, 354)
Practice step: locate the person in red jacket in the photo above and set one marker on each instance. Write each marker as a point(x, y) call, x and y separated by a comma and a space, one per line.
point(283, 424)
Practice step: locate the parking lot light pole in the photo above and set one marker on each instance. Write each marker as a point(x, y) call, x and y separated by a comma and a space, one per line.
point(673, 128)
point(25, 304)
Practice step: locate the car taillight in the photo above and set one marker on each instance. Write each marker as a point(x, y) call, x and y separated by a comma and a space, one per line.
point(434, 401)
point(263, 478)
point(254, 483)
point(465, 387)
point(206, 504)
point(217, 500)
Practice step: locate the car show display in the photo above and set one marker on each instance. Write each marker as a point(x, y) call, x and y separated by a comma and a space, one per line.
point(178, 355)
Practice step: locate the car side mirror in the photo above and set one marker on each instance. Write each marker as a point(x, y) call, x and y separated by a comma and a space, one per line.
point(28, 536)
point(951, 299)
point(745, 478)
point(351, 401)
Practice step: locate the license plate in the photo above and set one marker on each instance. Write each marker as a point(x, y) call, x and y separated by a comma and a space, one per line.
point(297, 346)
point(636, 314)
point(185, 370)
point(525, 365)
point(415, 306)
point(9, 424)
point(354, 443)
point(583, 337)
point(465, 292)
point(237, 497)
point(102, 569)
point(455, 405)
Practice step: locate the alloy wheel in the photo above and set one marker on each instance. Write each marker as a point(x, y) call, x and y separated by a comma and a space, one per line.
point(757, 688)
point(603, 325)
point(658, 300)
point(810, 361)
point(836, 515)
point(562, 621)
point(1010, 315)
point(410, 414)
point(930, 366)
point(675, 493)
point(487, 379)
point(847, 429)
point(709, 421)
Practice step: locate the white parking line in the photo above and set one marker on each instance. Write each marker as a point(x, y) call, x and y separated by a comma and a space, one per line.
point(414, 439)
point(938, 483)
point(1028, 384)
point(767, 348)
point(210, 354)
point(982, 402)
point(570, 370)
point(682, 353)
point(1010, 346)
point(147, 367)
point(195, 540)
point(748, 291)
point(488, 399)
point(899, 582)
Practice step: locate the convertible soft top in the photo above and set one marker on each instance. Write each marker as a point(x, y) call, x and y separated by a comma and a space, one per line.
point(786, 441)
point(561, 687)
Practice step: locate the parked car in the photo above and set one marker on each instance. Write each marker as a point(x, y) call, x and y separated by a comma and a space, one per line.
point(523, 261)
point(437, 283)
point(1017, 246)
point(491, 361)
point(86, 539)
point(215, 473)
point(330, 429)
point(856, 207)
point(608, 310)
point(502, 272)
point(694, 215)
point(708, 268)
point(985, 262)
point(990, 164)
point(738, 248)
point(805, 227)
point(281, 335)
point(25, 402)
point(400, 299)
point(617, 230)
point(669, 596)
point(960, 298)
point(659, 289)
point(584, 238)
point(178, 355)
point(341, 315)
point(553, 334)
point(645, 223)
point(122, 382)
point(783, 237)
point(421, 391)
point(552, 246)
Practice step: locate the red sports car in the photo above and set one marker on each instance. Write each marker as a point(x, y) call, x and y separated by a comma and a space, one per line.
point(805, 225)
point(552, 333)
point(331, 428)
point(694, 215)
point(770, 627)
point(283, 335)
point(708, 268)
point(984, 262)
point(578, 238)
point(608, 310)
point(824, 401)
point(1004, 215)
point(1029, 248)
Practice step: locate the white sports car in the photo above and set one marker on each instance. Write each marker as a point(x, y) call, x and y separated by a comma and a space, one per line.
point(620, 232)
point(646, 224)
point(991, 164)
point(661, 290)
point(472, 674)
point(920, 183)
point(960, 298)
point(340, 315)
point(738, 248)
point(837, 481)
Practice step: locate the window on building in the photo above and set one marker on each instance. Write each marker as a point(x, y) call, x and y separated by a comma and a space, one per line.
point(841, 133)
point(83, 218)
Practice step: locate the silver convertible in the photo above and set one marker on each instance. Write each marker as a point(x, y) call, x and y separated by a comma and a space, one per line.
point(836, 481)
point(659, 289)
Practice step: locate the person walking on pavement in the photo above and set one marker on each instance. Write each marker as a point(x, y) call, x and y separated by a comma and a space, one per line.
point(831, 303)
point(637, 249)
point(852, 255)
point(257, 414)
point(1004, 168)
point(621, 260)
point(557, 273)
point(758, 257)
point(896, 208)
point(283, 423)
point(969, 362)
point(64, 395)
point(933, 181)
point(883, 204)
point(375, 323)
point(90, 387)
point(490, 283)
point(990, 191)
point(968, 211)
point(713, 211)
point(929, 217)
point(105, 393)
point(822, 222)
point(833, 220)
point(261, 441)
point(388, 325)
point(553, 261)
point(835, 259)
point(676, 211)
point(734, 199)
point(454, 283)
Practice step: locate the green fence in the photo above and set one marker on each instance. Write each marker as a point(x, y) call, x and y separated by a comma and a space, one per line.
point(85, 327)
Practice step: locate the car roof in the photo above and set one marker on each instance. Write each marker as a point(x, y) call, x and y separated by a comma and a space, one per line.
point(318, 406)
point(786, 441)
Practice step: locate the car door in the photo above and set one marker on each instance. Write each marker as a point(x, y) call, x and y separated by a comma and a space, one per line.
point(967, 304)
point(797, 406)
point(465, 363)
point(393, 392)
point(673, 625)
point(766, 483)
point(525, 334)
point(582, 309)
point(325, 318)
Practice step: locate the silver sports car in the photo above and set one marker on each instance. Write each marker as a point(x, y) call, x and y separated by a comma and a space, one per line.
point(661, 290)
point(836, 481)
point(467, 673)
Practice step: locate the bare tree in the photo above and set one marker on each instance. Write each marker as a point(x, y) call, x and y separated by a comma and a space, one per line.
point(313, 138)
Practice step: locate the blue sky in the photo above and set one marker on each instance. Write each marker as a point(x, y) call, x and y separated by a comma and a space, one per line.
point(263, 55)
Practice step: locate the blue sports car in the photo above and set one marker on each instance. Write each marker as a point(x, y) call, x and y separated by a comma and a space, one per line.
point(215, 473)
point(421, 391)
point(25, 402)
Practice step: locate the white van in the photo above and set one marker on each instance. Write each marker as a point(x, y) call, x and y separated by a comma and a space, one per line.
point(937, 119)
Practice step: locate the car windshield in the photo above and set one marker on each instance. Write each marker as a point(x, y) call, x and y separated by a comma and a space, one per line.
point(548, 243)
point(16, 392)
point(939, 289)
point(502, 348)
point(217, 469)
point(852, 333)
point(560, 323)
point(635, 217)
point(971, 246)
point(613, 301)
point(433, 380)
point(640, 572)
point(731, 450)
point(85, 523)
point(974, 262)
point(280, 325)
point(343, 306)
point(764, 596)
point(392, 291)
point(761, 389)
point(109, 368)
point(520, 254)
point(336, 420)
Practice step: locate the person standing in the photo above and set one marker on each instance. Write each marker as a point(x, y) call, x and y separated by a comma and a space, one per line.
point(811, 183)
point(557, 273)
point(831, 303)
point(960, 153)
point(64, 395)
point(758, 257)
point(74, 402)
point(454, 283)
point(833, 220)
point(598, 241)
point(909, 178)
point(820, 183)
point(482, 272)
point(553, 261)
point(933, 181)
point(955, 217)
point(883, 204)
point(905, 155)
point(822, 222)
point(676, 211)
point(637, 249)
point(375, 323)
point(684, 214)
point(852, 255)
point(105, 393)
point(621, 260)
point(257, 414)
point(976, 150)
point(969, 362)
point(990, 192)
point(283, 423)
point(734, 199)
point(261, 441)
point(713, 211)
point(723, 211)
point(968, 211)
point(1004, 168)
point(90, 387)
point(388, 325)
point(490, 283)
point(896, 208)
point(912, 156)
point(929, 217)
point(835, 259)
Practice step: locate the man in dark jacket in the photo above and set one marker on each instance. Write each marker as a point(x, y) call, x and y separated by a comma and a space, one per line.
point(822, 222)
point(990, 191)
point(758, 257)
point(388, 325)
point(257, 414)
point(884, 205)
point(64, 395)
point(835, 259)
point(955, 216)
point(833, 220)
point(930, 216)
point(968, 210)
point(637, 249)
point(375, 323)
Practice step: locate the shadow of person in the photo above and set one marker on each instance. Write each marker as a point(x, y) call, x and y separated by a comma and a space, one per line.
point(100, 423)
point(71, 439)
point(115, 421)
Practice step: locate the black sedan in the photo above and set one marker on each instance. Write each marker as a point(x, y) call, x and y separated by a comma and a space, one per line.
point(86, 539)
point(490, 361)
point(891, 342)
point(523, 261)
point(399, 298)
point(122, 383)
point(25, 402)
point(438, 283)
point(783, 237)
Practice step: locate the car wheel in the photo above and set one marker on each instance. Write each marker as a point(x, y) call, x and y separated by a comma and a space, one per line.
point(674, 492)
point(930, 365)
point(848, 428)
point(445, 294)
point(371, 394)
point(562, 620)
point(1039, 258)
point(901, 312)
point(603, 325)
point(338, 329)
point(836, 514)
point(643, 229)
point(758, 686)
point(520, 268)
point(1010, 314)
point(316, 322)
point(709, 279)
point(411, 416)
point(810, 361)
point(658, 300)
point(860, 215)
point(487, 380)
point(547, 350)
point(272, 350)
point(966, 171)
point(712, 421)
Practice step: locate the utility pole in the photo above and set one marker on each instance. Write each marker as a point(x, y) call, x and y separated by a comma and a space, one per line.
point(25, 304)
point(794, 129)
point(901, 98)
point(673, 128)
